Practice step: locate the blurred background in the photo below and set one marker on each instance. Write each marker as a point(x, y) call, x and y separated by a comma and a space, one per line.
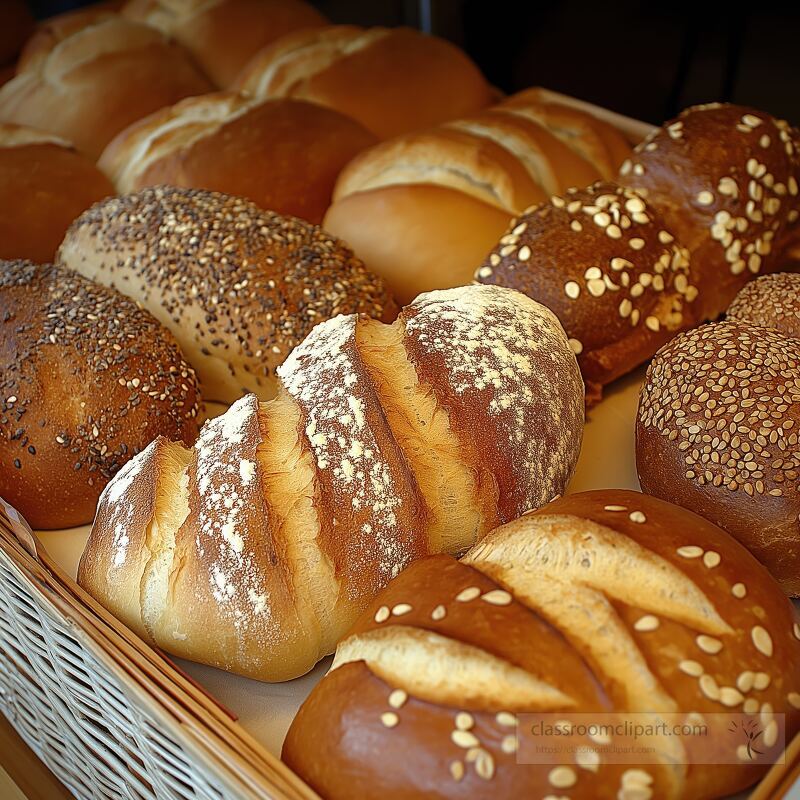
point(647, 60)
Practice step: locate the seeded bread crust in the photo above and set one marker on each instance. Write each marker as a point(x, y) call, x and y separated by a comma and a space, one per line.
point(385, 443)
point(605, 601)
point(239, 287)
point(771, 301)
point(87, 380)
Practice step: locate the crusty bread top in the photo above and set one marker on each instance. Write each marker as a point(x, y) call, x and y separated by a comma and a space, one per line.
point(772, 301)
point(12, 135)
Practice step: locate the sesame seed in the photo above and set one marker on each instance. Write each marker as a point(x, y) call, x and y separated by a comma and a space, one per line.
point(506, 720)
point(389, 719)
point(382, 614)
point(646, 623)
point(464, 739)
point(761, 681)
point(636, 243)
point(711, 559)
point(562, 777)
point(652, 324)
point(401, 609)
point(464, 721)
point(615, 508)
point(457, 770)
point(524, 253)
point(762, 640)
point(438, 613)
point(576, 346)
point(397, 698)
point(738, 590)
point(794, 699)
point(692, 668)
point(497, 597)
point(708, 644)
point(637, 516)
point(690, 551)
point(705, 198)
point(572, 289)
point(730, 697)
point(470, 593)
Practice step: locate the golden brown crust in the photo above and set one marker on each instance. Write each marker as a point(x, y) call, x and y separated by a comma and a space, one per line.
point(88, 380)
point(771, 301)
point(90, 85)
point(601, 253)
point(238, 294)
point(717, 431)
point(284, 155)
point(44, 185)
point(222, 35)
point(555, 594)
point(391, 80)
point(725, 179)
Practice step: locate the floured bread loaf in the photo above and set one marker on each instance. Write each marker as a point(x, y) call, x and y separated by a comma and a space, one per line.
point(255, 550)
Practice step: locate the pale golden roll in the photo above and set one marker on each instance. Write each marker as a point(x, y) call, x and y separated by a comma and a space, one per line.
point(284, 155)
point(391, 80)
point(94, 82)
point(222, 35)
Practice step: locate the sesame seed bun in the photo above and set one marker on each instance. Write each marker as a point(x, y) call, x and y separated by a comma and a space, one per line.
point(717, 431)
point(772, 301)
point(87, 380)
point(238, 286)
point(608, 603)
point(725, 178)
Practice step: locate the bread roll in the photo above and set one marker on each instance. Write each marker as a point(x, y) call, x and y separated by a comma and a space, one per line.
point(237, 286)
point(602, 602)
point(87, 380)
point(423, 210)
point(717, 432)
point(392, 80)
point(384, 444)
point(725, 178)
point(91, 84)
point(222, 35)
point(771, 301)
point(603, 262)
point(44, 185)
point(283, 155)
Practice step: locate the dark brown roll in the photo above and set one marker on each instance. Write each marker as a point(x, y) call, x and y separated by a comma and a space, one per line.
point(718, 431)
point(772, 301)
point(87, 380)
point(603, 261)
point(605, 602)
point(725, 178)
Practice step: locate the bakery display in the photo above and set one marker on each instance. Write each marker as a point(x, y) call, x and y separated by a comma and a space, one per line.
point(717, 432)
point(44, 185)
point(725, 178)
point(87, 380)
point(222, 35)
point(605, 601)
point(89, 85)
point(284, 155)
point(238, 286)
point(392, 80)
point(603, 261)
point(423, 210)
point(771, 301)
point(385, 443)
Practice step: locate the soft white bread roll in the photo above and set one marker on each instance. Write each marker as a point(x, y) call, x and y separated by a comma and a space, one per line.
point(630, 627)
point(423, 210)
point(392, 80)
point(258, 548)
point(44, 185)
point(239, 287)
point(284, 155)
point(222, 35)
point(87, 380)
point(91, 84)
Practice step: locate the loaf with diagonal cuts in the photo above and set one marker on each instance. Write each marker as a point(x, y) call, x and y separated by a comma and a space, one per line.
point(610, 603)
point(257, 549)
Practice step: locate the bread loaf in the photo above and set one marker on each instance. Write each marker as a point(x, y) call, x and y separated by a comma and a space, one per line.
point(718, 422)
point(725, 178)
point(87, 380)
point(392, 80)
point(94, 82)
point(222, 35)
point(771, 301)
point(44, 185)
point(423, 210)
point(385, 443)
point(238, 287)
point(607, 601)
point(599, 254)
point(284, 155)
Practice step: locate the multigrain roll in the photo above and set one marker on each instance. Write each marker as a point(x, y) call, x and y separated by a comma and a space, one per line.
point(238, 287)
point(771, 301)
point(725, 178)
point(603, 262)
point(44, 185)
point(607, 603)
point(89, 85)
point(222, 35)
point(87, 380)
point(717, 432)
point(423, 210)
point(284, 155)
point(392, 80)
point(385, 443)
